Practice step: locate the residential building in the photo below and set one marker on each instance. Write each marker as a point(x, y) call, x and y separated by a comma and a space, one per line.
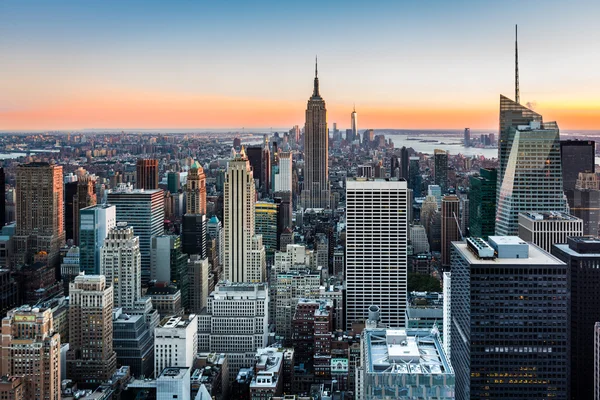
point(30, 349)
point(121, 264)
point(91, 359)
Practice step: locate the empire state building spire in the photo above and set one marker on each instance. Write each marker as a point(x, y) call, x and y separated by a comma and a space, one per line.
point(316, 89)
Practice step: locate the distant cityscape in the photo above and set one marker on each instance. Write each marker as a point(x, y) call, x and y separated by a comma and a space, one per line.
point(316, 262)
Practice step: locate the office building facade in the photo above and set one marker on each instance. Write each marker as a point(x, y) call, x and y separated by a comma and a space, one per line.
point(147, 174)
point(440, 171)
point(450, 226)
point(195, 190)
point(547, 228)
point(482, 203)
point(576, 156)
point(94, 224)
point(509, 313)
point(376, 252)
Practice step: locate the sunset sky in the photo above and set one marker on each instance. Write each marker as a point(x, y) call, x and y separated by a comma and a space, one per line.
point(228, 64)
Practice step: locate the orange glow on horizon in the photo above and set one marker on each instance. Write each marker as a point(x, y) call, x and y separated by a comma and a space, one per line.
point(164, 111)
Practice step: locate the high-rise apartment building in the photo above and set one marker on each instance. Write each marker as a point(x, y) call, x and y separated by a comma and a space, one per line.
point(509, 315)
point(195, 190)
point(146, 174)
point(40, 217)
point(582, 256)
point(175, 342)
point(547, 228)
point(84, 197)
point(576, 156)
point(240, 246)
point(236, 322)
point(91, 359)
point(30, 348)
point(532, 178)
point(144, 211)
point(482, 203)
point(94, 224)
point(316, 192)
point(376, 249)
point(283, 177)
point(440, 172)
point(121, 264)
point(450, 227)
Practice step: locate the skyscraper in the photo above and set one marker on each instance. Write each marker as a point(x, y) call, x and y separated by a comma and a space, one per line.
point(395, 170)
point(169, 264)
point(260, 161)
point(450, 228)
point(584, 202)
point(532, 179)
point(40, 218)
point(175, 342)
point(414, 178)
point(316, 152)
point(509, 315)
point(121, 264)
point(196, 190)
point(265, 224)
point(376, 254)
point(467, 140)
point(94, 224)
point(576, 156)
point(30, 348)
point(582, 256)
point(84, 197)
point(283, 177)
point(354, 122)
point(440, 176)
point(547, 228)
point(147, 174)
point(482, 203)
point(174, 181)
point(70, 189)
point(239, 203)
point(404, 160)
point(91, 359)
point(144, 211)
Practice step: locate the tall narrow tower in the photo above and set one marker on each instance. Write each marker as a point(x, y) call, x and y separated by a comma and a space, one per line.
point(354, 118)
point(517, 95)
point(242, 248)
point(196, 190)
point(316, 152)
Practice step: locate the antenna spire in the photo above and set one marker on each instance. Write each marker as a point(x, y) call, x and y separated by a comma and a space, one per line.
point(516, 66)
point(316, 67)
point(316, 88)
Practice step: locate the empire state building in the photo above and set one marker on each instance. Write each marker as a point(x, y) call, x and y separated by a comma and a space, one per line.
point(315, 192)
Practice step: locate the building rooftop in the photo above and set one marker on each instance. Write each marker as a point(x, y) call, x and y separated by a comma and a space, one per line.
point(548, 216)
point(176, 322)
point(268, 366)
point(405, 351)
point(173, 373)
point(581, 246)
point(536, 255)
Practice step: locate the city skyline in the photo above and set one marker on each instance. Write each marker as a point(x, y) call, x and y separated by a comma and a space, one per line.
point(184, 66)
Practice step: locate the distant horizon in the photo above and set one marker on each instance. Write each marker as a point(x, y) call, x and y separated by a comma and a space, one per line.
point(182, 64)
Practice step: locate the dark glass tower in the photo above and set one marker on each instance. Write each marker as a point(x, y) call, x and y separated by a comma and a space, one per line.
point(404, 157)
point(414, 176)
point(509, 320)
point(576, 156)
point(70, 192)
point(2, 198)
point(482, 203)
point(582, 256)
point(440, 176)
